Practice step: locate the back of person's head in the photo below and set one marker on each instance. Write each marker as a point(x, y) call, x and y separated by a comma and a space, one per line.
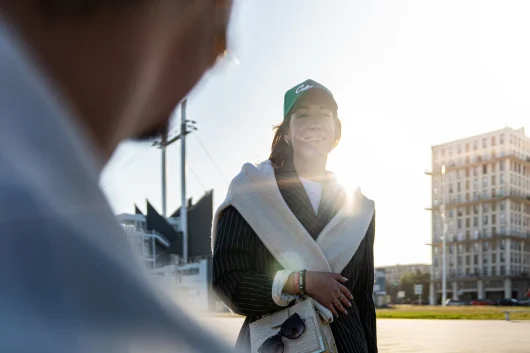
point(122, 65)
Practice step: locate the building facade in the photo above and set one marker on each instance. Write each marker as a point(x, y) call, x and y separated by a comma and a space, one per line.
point(481, 196)
point(393, 274)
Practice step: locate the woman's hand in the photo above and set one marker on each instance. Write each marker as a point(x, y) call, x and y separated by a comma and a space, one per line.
point(327, 289)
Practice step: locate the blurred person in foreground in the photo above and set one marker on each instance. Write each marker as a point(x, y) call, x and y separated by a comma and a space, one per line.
point(77, 77)
point(288, 228)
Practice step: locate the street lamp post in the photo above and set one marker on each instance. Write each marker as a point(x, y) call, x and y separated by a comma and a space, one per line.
point(444, 240)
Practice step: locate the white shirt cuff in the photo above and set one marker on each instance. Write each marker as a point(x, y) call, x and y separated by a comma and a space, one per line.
point(280, 298)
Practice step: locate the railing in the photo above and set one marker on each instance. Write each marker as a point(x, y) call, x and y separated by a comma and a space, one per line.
point(482, 235)
point(475, 160)
point(498, 195)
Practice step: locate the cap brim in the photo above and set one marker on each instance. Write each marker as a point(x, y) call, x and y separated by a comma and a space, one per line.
point(315, 94)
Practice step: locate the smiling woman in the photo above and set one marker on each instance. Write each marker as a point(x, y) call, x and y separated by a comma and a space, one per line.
point(287, 230)
point(307, 102)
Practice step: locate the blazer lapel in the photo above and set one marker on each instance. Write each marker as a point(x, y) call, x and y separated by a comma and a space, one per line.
point(296, 198)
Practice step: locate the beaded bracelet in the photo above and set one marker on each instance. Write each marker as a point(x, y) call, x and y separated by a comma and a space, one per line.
point(296, 281)
point(302, 282)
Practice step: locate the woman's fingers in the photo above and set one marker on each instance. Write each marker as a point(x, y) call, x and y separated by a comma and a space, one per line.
point(331, 307)
point(338, 305)
point(345, 291)
point(339, 277)
point(345, 302)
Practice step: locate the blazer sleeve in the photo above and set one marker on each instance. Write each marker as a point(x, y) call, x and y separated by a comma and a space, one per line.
point(236, 281)
point(363, 291)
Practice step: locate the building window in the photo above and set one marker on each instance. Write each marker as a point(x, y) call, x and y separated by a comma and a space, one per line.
point(501, 139)
point(493, 140)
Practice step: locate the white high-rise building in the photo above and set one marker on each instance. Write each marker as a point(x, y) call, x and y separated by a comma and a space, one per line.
point(486, 193)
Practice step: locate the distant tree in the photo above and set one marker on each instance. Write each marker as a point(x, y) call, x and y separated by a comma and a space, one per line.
point(408, 281)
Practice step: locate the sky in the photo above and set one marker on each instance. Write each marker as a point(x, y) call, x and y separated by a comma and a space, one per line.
point(406, 75)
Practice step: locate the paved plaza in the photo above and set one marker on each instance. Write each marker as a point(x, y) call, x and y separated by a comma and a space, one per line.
point(426, 336)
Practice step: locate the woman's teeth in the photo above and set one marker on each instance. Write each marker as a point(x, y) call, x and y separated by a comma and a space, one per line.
point(313, 139)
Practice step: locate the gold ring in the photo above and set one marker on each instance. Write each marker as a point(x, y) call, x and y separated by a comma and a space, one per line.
point(337, 303)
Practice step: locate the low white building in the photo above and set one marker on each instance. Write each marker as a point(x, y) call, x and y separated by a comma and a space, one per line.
point(188, 284)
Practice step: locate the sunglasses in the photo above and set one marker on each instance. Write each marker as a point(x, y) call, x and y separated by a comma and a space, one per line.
point(292, 328)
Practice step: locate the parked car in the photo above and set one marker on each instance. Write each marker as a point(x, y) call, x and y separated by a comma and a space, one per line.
point(483, 302)
point(524, 302)
point(452, 302)
point(508, 302)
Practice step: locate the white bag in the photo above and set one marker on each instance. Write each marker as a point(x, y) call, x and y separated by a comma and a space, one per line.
point(317, 337)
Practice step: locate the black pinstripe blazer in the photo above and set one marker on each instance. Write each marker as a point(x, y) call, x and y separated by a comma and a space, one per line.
point(244, 270)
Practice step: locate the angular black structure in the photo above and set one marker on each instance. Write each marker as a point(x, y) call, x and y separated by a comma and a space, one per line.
point(200, 216)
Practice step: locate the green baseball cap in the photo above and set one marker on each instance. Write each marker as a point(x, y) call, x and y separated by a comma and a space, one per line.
point(292, 95)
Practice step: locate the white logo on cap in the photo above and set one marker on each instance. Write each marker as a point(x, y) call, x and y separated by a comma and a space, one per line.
point(302, 88)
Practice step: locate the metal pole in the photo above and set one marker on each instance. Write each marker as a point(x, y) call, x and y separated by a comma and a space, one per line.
point(164, 190)
point(444, 241)
point(183, 209)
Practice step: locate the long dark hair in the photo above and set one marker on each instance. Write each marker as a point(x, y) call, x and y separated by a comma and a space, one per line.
point(281, 152)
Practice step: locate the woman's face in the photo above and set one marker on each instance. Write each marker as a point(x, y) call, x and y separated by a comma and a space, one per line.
point(312, 128)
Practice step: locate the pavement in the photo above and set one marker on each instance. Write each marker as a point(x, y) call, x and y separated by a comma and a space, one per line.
point(423, 336)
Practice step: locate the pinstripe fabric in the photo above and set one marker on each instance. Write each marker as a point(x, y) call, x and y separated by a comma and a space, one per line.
point(244, 270)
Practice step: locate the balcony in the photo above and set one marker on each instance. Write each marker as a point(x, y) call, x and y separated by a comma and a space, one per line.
point(453, 239)
point(479, 160)
point(458, 202)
